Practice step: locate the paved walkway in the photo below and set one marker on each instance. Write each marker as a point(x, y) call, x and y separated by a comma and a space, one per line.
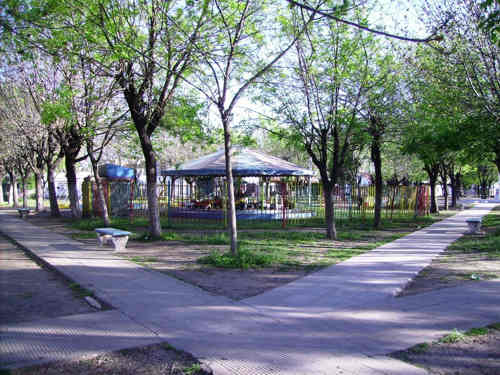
point(341, 320)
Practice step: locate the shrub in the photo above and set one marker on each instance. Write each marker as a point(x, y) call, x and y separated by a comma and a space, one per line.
point(243, 259)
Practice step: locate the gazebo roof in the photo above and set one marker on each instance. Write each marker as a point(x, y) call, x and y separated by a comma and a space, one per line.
point(246, 162)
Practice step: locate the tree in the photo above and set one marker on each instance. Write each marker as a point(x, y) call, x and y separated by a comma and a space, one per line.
point(471, 47)
point(382, 111)
point(19, 123)
point(40, 82)
point(8, 160)
point(147, 46)
point(436, 112)
point(233, 60)
point(321, 101)
point(490, 19)
point(487, 174)
point(336, 13)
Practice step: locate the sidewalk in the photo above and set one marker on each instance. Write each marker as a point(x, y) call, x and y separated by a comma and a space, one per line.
point(343, 319)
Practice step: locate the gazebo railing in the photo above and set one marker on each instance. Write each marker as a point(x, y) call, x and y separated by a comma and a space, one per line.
point(184, 202)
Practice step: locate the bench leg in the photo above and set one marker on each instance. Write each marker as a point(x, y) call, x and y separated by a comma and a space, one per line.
point(119, 243)
point(103, 239)
point(474, 228)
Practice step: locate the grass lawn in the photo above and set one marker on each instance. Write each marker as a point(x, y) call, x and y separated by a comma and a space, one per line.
point(266, 244)
point(489, 244)
point(474, 352)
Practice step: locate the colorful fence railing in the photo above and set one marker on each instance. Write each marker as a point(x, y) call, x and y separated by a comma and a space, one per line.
point(284, 202)
point(289, 201)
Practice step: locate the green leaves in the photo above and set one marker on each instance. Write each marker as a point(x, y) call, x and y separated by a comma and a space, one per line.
point(182, 119)
point(490, 20)
point(58, 109)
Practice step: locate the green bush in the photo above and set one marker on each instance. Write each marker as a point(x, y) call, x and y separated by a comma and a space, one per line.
point(243, 259)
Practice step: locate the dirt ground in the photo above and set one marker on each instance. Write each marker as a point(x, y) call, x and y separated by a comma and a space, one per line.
point(179, 259)
point(453, 268)
point(477, 355)
point(30, 292)
point(159, 359)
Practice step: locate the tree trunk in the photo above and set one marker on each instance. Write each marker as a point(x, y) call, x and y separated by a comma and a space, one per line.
point(331, 230)
point(10, 193)
point(454, 188)
point(377, 163)
point(444, 187)
point(432, 172)
point(100, 193)
point(497, 155)
point(38, 192)
point(151, 177)
point(443, 173)
point(74, 201)
point(231, 213)
point(459, 185)
point(54, 207)
point(1, 189)
point(13, 187)
point(25, 197)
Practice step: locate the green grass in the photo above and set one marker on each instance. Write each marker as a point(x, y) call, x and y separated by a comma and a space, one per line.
point(192, 370)
point(343, 223)
point(117, 222)
point(495, 326)
point(457, 336)
point(419, 348)
point(266, 244)
point(286, 249)
point(488, 244)
point(141, 260)
point(80, 291)
point(83, 235)
point(452, 337)
point(244, 259)
point(477, 332)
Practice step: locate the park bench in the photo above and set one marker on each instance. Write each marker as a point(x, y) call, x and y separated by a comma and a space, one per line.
point(23, 212)
point(118, 237)
point(474, 224)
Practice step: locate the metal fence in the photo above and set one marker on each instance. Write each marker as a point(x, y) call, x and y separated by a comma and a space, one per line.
point(287, 201)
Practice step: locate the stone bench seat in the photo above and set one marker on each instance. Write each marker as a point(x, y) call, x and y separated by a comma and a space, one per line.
point(23, 212)
point(118, 237)
point(474, 220)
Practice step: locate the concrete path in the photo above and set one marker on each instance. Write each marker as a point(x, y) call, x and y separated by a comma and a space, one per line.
point(70, 337)
point(342, 320)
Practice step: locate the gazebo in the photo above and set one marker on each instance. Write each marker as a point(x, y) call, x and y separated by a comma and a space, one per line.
point(266, 187)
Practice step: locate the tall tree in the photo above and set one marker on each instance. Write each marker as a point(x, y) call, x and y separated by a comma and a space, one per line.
point(382, 111)
point(322, 99)
point(471, 47)
point(235, 55)
point(147, 46)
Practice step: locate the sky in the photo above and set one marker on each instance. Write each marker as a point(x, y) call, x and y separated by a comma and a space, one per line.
point(399, 17)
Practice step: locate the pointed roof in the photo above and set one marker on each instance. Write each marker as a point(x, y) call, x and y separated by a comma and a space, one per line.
point(246, 162)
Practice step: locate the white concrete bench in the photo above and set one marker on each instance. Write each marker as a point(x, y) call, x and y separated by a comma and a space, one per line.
point(23, 212)
point(118, 237)
point(474, 224)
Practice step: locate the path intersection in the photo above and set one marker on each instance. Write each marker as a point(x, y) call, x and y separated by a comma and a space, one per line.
point(343, 319)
